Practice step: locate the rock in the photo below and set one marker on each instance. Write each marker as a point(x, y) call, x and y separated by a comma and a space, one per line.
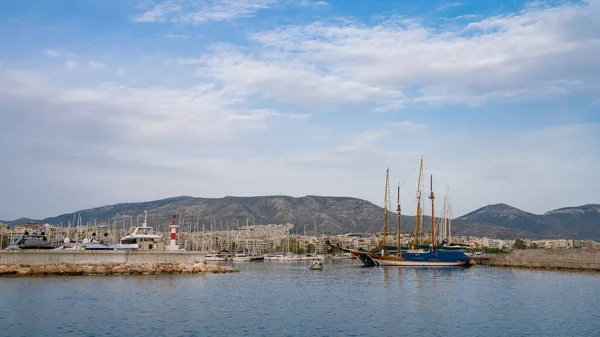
point(112, 269)
point(24, 271)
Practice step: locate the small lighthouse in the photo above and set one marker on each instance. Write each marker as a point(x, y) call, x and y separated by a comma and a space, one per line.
point(172, 246)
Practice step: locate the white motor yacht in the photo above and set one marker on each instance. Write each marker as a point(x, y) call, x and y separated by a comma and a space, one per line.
point(215, 257)
point(241, 257)
point(142, 238)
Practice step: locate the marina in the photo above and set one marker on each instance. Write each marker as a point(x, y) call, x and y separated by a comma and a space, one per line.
point(180, 242)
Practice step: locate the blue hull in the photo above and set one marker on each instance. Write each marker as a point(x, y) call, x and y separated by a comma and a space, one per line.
point(436, 258)
point(438, 255)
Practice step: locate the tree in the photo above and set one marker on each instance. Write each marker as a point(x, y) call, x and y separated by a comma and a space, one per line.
point(520, 244)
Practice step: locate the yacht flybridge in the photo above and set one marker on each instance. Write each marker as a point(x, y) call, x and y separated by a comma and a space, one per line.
point(142, 238)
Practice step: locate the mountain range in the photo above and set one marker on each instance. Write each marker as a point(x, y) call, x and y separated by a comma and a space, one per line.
point(337, 215)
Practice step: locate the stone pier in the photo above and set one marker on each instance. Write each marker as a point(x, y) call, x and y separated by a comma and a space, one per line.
point(583, 259)
point(54, 262)
point(65, 269)
point(35, 257)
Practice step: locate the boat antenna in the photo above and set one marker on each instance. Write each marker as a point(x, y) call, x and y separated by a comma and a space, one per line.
point(432, 197)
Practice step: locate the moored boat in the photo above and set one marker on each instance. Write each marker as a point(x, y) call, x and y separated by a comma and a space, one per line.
point(31, 241)
point(98, 244)
point(214, 257)
point(415, 253)
point(142, 238)
point(316, 265)
point(434, 257)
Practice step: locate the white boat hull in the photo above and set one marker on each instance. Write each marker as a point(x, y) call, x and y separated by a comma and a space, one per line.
point(214, 258)
point(241, 259)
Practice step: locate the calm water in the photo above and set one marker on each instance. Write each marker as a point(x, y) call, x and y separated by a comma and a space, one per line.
point(277, 299)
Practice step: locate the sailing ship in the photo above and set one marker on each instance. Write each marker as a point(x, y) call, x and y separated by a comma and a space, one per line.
point(415, 254)
point(368, 258)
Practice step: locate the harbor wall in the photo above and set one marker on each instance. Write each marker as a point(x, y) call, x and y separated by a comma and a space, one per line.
point(587, 259)
point(43, 257)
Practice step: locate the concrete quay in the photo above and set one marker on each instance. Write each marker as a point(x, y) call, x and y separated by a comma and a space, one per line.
point(43, 257)
point(579, 259)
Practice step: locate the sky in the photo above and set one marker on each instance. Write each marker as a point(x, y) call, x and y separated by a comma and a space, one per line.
point(103, 102)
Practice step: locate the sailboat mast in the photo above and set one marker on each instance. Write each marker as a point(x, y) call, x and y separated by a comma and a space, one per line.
point(444, 233)
point(449, 219)
point(432, 197)
point(399, 220)
point(385, 207)
point(418, 215)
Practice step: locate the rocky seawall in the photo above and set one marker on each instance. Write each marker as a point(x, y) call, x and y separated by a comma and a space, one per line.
point(582, 259)
point(66, 269)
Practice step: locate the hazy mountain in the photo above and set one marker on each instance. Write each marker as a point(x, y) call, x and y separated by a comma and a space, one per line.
point(18, 221)
point(331, 214)
point(571, 222)
point(582, 221)
point(339, 215)
point(506, 216)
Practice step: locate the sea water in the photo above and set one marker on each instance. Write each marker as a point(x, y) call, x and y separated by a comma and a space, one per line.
point(288, 299)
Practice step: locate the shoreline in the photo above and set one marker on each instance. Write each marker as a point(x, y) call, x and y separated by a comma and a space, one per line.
point(111, 269)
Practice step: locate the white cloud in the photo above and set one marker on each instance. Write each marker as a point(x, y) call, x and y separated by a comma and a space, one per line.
point(203, 10)
point(284, 79)
point(519, 56)
point(52, 53)
point(309, 3)
point(300, 116)
point(120, 72)
point(71, 64)
point(405, 124)
point(177, 36)
point(449, 5)
point(96, 65)
point(147, 114)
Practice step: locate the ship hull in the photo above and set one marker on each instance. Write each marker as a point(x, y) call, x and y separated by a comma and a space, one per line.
point(365, 257)
point(438, 258)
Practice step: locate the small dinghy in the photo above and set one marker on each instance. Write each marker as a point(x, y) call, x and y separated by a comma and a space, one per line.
point(316, 265)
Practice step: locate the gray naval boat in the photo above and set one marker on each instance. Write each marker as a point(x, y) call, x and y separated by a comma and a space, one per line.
point(31, 241)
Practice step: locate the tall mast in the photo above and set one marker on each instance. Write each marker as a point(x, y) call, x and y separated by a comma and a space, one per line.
point(418, 216)
point(145, 224)
point(385, 207)
point(399, 220)
point(449, 219)
point(432, 197)
point(444, 222)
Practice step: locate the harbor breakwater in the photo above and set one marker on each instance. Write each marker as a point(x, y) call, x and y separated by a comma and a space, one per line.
point(583, 259)
point(41, 257)
point(38, 262)
point(65, 269)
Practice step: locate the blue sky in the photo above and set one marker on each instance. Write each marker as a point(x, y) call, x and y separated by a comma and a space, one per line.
point(111, 101)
